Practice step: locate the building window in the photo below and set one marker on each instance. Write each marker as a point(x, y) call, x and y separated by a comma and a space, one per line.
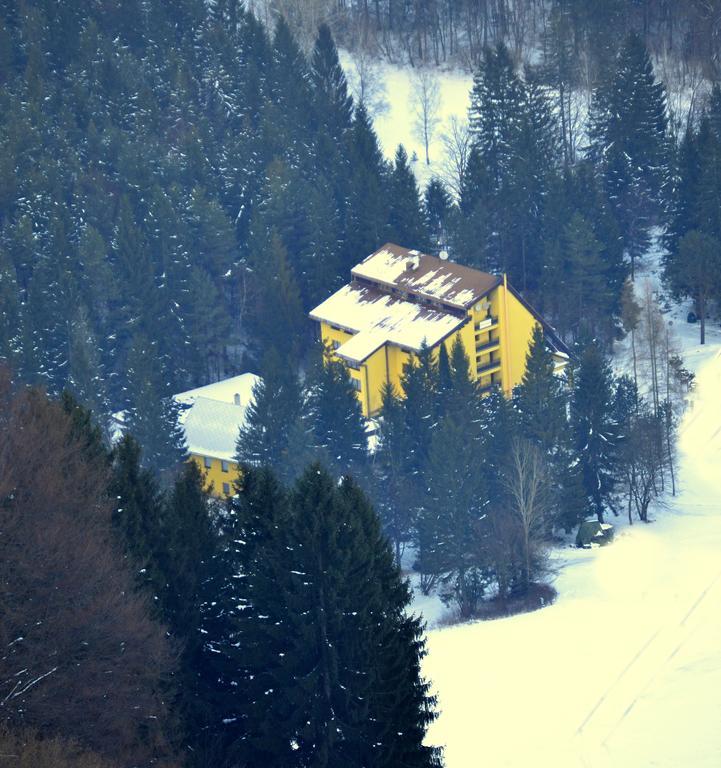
point(226, 489)
point(224, 466)
point(207, 462)
point(355, 383)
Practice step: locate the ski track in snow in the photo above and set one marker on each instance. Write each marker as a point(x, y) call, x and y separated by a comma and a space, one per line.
point(625, 668)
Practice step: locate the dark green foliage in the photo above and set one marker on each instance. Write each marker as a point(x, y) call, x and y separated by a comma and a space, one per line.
point(332, 662)
point(153, 415)
point(394, 497)
point(275, 421)
point(138, 512)
point(407, 227)
point(437, 205)
point(594, 430)
point(515, 152)
point(335, 416)
point(629, 143)
point(540, 398)
point(696, 271)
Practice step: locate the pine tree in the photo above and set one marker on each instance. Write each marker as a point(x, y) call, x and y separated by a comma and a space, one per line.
point(277, 286)
point(325, 603)
point(697, 272)
point(153, 415)
point(394, 499)
point(336, 417)
point(629, 143)
point(405, 218)
point(437, 205)
point(138, 513)
point(274, 420)
point(594, 430)
point(10, 331)
point(540, 399)
point(334, 104)
point(365, 220)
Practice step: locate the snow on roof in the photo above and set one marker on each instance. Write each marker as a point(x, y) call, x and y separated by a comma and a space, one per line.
point(223, 391)
point(376, 318)
point(428, 276)
point(211, 427)
point(216, 413)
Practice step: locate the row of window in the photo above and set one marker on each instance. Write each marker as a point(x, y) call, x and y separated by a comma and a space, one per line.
point(224, 465)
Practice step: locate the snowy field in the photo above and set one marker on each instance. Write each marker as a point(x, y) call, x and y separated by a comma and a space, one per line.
point(625, 668)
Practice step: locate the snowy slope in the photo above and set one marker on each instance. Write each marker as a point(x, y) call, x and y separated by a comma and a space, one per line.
point(625, 669)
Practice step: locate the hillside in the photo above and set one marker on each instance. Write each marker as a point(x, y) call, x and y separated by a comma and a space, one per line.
point(625, 668)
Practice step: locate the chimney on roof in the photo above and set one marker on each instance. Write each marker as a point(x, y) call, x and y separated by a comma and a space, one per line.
point(443, 255)
point(236, 399)
point(413, 262)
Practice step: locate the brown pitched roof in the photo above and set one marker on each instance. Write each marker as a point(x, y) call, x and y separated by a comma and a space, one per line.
point(423, 275)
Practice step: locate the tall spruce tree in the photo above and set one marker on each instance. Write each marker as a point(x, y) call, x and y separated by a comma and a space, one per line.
point(594, 430)
point(407, 226)
point(393, 496)
point(275, 420)
point(153, 415)
point(336, 417)
point(629, 143)
point(327, 635)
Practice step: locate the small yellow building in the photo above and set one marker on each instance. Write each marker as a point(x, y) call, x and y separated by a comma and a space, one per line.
point(399, 299)
point(212, 417)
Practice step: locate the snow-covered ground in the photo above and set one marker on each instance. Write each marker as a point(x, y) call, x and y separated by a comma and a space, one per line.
point(396, 125)
point(625, 668)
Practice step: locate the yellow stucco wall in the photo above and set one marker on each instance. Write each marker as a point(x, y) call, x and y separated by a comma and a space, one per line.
point(215, 475)
point(510, 334)
point(520, 330)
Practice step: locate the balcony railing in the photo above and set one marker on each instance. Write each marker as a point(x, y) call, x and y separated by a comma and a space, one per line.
point(489, 345)
point(488, 367)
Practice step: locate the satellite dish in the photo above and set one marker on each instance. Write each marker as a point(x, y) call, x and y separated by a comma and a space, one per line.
point(443, 255)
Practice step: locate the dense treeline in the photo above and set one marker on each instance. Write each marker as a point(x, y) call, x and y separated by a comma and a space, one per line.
point(180, 189)
point(143, 626)
point(176, 184)
point(458, 30)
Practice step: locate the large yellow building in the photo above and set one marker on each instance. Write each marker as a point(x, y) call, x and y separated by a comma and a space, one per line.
point(399, 299)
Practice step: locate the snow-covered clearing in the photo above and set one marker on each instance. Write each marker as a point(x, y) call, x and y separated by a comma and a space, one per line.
point(625, 668)
point(396, 125)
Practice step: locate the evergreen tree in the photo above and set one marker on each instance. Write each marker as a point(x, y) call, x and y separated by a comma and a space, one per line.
point(153, 415)
point(274, 420)
point(334, 103)
point(540, 398)
point(10, 330)
point(437, 205)
point(336, 417)
point(405, 218)
point(277, 287)
point(138, 513)
point(365, 221)
point(696, 272)
point(393, 498)
point(595, 430)
point(629, 143)
point(325, 603)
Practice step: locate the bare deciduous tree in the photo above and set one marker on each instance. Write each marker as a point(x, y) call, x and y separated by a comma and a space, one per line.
point(426, 101)
point(366, 81)
point(527, 483)
point(457, 145)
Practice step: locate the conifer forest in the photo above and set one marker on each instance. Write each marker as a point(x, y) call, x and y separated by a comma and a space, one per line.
point(181, 183)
